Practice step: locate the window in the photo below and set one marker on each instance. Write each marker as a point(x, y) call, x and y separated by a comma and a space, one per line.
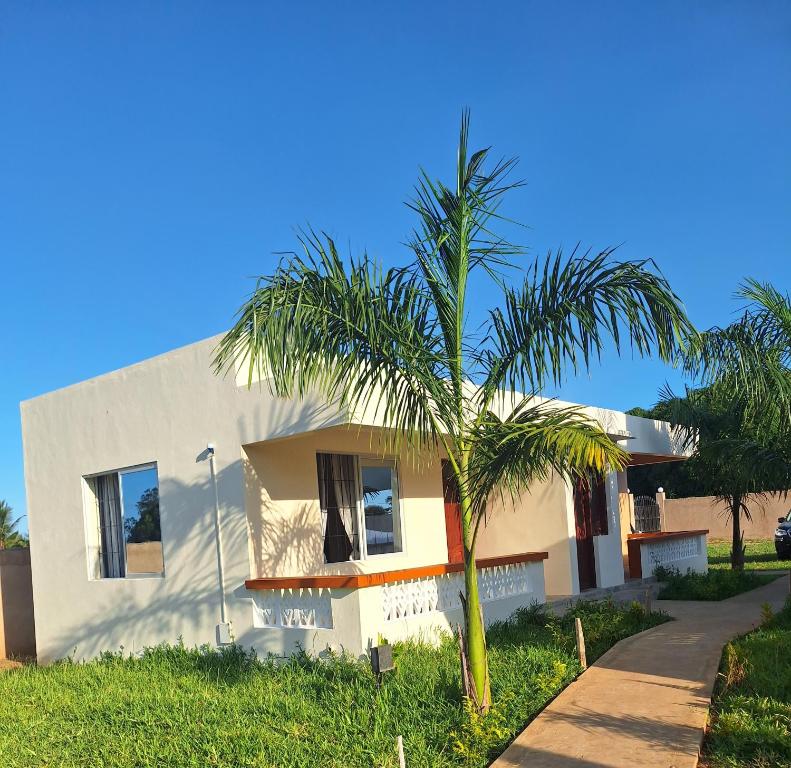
point(358, 494)
point(124, 531)
point(380, 507)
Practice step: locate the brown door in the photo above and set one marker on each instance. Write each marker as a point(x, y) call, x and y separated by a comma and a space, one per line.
point(586, 560)
point(450, 491)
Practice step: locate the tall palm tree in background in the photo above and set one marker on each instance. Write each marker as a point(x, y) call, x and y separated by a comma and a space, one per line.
point(751, 357)
point(401, 341)
point(9, 535)
point(745, 370)
point(730, 452)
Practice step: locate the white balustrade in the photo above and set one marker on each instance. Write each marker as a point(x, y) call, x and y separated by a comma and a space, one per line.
point(292, 608)
point(438, 594)
point(683, 554)
point(351, 618)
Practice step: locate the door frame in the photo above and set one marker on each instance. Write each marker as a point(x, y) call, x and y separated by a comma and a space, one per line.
point(453, 529)
point(584, 533)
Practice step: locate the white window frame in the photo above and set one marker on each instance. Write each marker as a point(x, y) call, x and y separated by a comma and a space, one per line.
point(359, 517)
point(398, 535)
point(92, 517)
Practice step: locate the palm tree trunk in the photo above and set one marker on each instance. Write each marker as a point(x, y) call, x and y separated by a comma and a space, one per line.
point(737, 546)
point(473, 617)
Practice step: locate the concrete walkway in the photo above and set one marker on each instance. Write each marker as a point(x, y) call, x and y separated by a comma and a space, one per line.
point(644, 702)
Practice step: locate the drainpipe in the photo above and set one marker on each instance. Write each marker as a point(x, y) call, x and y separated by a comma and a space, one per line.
point(224, 627)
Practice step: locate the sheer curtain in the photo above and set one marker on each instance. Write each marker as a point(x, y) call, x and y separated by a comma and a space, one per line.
point(109, 498)
point(338, 501)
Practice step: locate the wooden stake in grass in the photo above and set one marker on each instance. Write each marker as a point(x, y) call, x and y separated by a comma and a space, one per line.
point(648, 600)
point(401, 759)
point(580, 644)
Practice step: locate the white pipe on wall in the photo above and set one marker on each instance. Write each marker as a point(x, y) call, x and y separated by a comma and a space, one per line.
point(218, 538)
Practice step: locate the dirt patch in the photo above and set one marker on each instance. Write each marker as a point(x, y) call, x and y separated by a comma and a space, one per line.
point(8, 664)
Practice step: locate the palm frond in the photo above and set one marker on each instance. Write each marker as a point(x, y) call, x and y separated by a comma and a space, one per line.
point(454, 238)
point(535, 439)
point(731, 453)
point(360, 335)
point(565, 311)
point(752, 356)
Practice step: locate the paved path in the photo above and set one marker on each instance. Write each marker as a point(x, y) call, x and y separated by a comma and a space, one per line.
point(644, 702)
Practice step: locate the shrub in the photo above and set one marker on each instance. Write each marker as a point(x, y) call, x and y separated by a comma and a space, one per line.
point(714, 585)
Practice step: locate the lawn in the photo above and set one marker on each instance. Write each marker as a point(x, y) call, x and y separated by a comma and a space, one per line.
point(714, 585)
point(759, 555)
point(751, 717)
point(178, 707)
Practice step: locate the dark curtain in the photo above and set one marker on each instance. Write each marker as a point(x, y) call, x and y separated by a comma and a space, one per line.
point(337, 478)
point(109, 498)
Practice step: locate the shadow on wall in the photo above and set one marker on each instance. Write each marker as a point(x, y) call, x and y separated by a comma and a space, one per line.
point(284, 535)
point(281, 498)
point(284, 419)
point(131, 613)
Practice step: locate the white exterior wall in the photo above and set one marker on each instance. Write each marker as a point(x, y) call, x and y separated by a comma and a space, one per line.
point(165, 410)
point(609, 560)
point(684, 554)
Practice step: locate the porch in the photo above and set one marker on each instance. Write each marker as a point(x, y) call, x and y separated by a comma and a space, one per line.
point(349, 543)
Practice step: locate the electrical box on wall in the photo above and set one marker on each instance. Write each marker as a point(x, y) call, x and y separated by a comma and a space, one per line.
point(224, 636)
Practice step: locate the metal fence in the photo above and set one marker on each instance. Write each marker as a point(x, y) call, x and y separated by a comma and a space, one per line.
point(646, 514)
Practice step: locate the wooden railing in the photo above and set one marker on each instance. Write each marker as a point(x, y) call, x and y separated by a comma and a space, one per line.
point(363, 580)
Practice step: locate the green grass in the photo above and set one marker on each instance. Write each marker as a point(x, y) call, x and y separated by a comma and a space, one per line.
point(751, 717)
point(178, 707)
point(715, 585)
point(759, 555)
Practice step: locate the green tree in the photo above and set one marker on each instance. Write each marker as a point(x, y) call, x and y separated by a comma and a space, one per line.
point(676, 478)
point(145, 527)
point(402, 342)
point(751, 357)
point(742, 413)
point(734, 458)
point(9, 534)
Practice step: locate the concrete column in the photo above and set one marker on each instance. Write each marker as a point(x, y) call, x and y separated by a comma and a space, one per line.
point(660, 500)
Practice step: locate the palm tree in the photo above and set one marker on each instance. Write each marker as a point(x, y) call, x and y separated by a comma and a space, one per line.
point(742, 413)
point(401, 342)
point(9, 535)
point(751, 356)
point(734, 458)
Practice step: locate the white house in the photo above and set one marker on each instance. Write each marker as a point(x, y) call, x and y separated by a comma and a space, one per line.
point(167, 502)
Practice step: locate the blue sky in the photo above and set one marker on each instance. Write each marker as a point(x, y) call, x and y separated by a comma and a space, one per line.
point(154, 155)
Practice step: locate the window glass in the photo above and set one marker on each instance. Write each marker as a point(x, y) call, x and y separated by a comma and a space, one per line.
point(142, 534)
point(124, 536)
point(380, 508)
